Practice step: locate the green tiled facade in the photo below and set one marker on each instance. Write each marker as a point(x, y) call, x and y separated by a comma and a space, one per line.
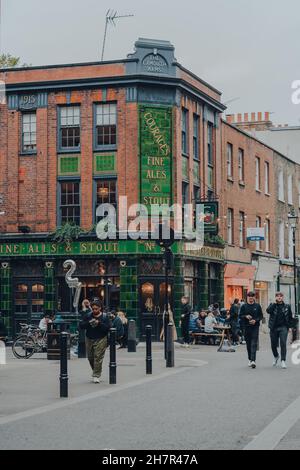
point(6, 294)
point(129, 288)
point(178, 287)
point(104, 164)
point(49, 305)
point(203, 286)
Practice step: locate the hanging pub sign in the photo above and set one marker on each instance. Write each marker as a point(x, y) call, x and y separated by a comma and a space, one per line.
point(210, 213)
point(256, 234)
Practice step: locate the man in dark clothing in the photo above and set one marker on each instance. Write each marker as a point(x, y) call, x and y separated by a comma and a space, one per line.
point(251, 316)
point(118, 325)
point(233, 320)
point(97, 326)
point(281, 320)
point(185, 320)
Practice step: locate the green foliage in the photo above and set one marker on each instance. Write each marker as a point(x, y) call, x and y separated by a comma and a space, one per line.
point(215, 240)
point(67, 233)
point(8, 61)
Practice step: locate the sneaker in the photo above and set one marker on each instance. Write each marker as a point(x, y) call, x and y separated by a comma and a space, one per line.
point(283, 365)
point(243, 343)
point(275, 362)
point(96, 380)
point(250, 364)
point(253, 365)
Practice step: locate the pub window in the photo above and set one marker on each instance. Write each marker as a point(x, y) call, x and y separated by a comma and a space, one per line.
point(69, 133)
point(29, 132)
point(70, 202)
point(184, 126)
point(106, 125)
point(106, 193)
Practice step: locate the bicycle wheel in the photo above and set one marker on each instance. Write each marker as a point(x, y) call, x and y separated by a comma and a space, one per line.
point(23, 347)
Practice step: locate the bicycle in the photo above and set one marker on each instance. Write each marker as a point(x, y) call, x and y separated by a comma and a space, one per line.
point(31, 340)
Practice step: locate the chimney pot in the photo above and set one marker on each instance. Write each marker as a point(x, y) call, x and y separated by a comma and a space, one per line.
point(253, 117)
point(239, 117)
point(259, 117)
point(246, 117)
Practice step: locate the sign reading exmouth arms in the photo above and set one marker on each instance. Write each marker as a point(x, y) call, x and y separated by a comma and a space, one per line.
point(152, 57)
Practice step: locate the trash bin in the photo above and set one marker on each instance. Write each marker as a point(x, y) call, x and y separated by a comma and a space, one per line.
point(53, 346)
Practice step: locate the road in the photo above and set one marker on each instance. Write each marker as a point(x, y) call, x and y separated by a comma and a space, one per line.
point(210, 400)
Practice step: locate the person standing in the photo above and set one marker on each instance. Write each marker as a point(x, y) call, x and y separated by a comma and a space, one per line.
point(280, 322)
point(251, 315)
point(185, 320)
point(97, 326)
point(233, 321)
point(124, 320)
point(118, 325)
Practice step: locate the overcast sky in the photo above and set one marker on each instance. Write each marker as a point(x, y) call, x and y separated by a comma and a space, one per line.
point(248, 49)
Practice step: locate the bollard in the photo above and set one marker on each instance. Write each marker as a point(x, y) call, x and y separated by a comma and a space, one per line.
point(64, 365)
point(81, 344)
point(165, 327)
point(170, 347)
point(2, 353)
point(113, 357)
point(132, 337)
point(148, 350)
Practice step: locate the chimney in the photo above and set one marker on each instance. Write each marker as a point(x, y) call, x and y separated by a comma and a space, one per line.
point(253, 117)
point(230, 118)
point(246, 117)
point(239, 117)
point(267, 116)
point(259, 117)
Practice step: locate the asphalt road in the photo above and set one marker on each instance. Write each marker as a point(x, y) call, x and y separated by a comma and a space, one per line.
point(210, 400)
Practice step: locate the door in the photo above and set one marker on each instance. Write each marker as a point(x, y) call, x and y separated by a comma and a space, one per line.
point(28, 302)
point(152, 305)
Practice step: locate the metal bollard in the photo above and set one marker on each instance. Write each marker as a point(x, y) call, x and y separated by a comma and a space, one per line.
point(132, 336)
point(148, 350)
point(170, 347)
point(165, 327)
point(81, 345)
point(64, 365)
point(113, 357)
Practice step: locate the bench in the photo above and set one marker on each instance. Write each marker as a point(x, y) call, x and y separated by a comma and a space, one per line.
point(209, 335)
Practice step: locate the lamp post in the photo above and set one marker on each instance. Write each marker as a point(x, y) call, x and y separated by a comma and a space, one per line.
point(293, 220)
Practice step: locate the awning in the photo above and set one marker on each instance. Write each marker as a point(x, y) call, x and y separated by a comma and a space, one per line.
point(239, 273)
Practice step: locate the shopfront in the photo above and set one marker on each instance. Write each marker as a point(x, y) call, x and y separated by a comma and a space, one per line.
point(238, 281)
point(266, 279)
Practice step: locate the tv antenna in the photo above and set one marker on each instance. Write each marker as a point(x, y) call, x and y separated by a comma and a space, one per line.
point(111, 17)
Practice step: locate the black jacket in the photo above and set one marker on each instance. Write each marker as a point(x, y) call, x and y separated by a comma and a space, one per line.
point(185, 315)
point(272, 310)
point(234, 313)
point(254, 310)
point(99, 331)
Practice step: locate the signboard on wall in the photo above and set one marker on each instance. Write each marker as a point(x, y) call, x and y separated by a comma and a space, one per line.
point(256, 234)
point(155, 156)
point(211, 216)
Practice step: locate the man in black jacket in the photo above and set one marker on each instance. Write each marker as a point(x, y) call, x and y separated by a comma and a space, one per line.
point(281, 320)
point(97, 326)
point(185, 320)
point(251, 316)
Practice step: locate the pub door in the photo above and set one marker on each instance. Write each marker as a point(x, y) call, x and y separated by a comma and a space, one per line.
point(28, 305)
point(152, 303)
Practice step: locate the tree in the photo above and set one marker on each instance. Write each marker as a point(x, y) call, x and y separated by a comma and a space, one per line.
point(8, 61)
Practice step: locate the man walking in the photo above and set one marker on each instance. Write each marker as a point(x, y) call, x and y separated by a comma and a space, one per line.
point(281, 320)
point(251, 316)
point(97, 326)
point(185, 320)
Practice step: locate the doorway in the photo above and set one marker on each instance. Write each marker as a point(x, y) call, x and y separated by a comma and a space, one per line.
point(29, 297)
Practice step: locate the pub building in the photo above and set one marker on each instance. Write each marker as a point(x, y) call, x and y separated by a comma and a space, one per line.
point(73, 137)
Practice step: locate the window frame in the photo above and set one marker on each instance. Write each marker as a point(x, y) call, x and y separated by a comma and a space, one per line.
point(268, 236)
point(60, 181)
point(229, 161)
point(257, 174)
point(242, 229)
point(61, 149)
point(281, 195)
point(96, 179)
point(196, 137)
point(210, 152)
point(258, 221)
point(230, 217)
point(241, 153)
point(23, 151)
point(267, 178)
point(109, 147)
point(185, 132)
point(290, 190)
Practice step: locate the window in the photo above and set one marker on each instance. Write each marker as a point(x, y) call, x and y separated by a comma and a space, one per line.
point(241, 166)
point(184, 124)
point(242, 230)
point(229, 161)
point(280, 186)
point(230, 235)
point(29, 132)
point(70, 128)
point(70, 202)
point(106, 193)
point(291, 244)
point(185, 193)
point(281, 240)
point(210, 156)
point(267, 235)
point(290, 190)
point(267, 178)
point(258, 225)
point(106, 125)
point(196, 137)
point(257, 174)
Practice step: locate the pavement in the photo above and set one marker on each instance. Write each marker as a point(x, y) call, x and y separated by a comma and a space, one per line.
point(210, 400)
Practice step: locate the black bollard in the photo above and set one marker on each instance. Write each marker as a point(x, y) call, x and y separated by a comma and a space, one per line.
point(170, 347)
point(113, 357)
point(81, 345)
point(64, 365)
point(148, 350)
point(132, 337)
point(165, 327)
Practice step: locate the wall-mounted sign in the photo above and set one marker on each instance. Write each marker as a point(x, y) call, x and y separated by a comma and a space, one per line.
point(155, 63)
point(28, 102)
point(155, 156)
point(256, 234)
point(210, 213)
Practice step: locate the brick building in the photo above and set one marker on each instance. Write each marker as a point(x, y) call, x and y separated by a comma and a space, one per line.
point(75, 136)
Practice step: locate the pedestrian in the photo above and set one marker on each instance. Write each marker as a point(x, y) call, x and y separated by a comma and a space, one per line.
point(86, 307)
point(124, 320)
point(233, 321)
point(45, 321)
point(280, 322)
point(185, 320)
point(251, 316)
point(170, 320)
point(118, 325)
point(3, 330)
point(97, 326)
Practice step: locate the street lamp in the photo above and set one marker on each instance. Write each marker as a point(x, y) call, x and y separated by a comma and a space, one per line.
point(293, 220)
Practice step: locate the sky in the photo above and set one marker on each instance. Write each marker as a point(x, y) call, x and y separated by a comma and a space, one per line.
point(248, 49)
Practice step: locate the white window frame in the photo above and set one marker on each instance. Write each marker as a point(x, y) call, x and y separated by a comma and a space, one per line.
point(281, 186)
point(290, 190)
point(230, 228)
point(229, 160)
point(257, 174)
point(267, 178)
